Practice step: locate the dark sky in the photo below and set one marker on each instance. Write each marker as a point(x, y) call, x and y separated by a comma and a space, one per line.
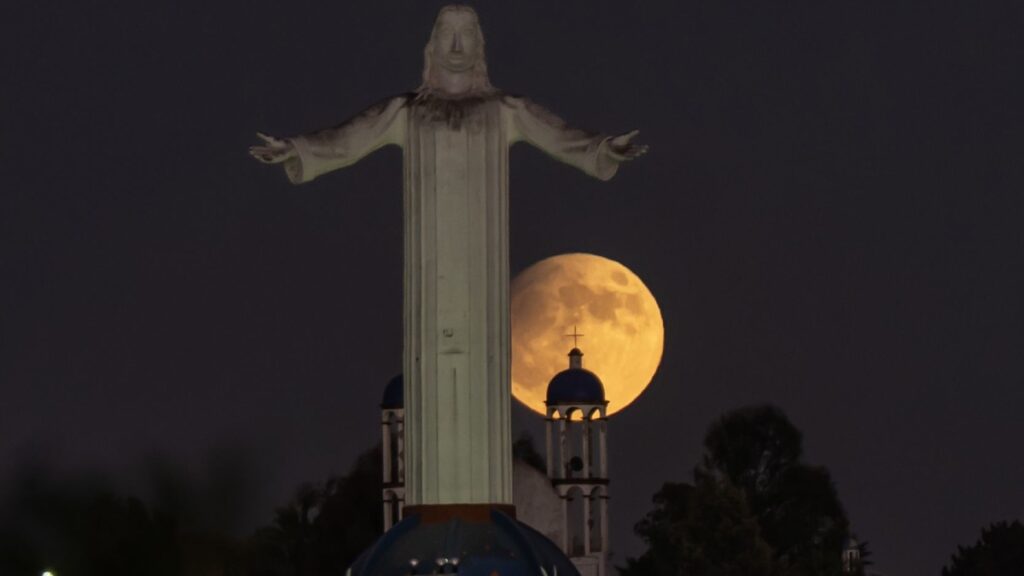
point(830, 218)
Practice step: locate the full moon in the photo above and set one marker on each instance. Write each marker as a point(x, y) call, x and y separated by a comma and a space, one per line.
point(617, 316)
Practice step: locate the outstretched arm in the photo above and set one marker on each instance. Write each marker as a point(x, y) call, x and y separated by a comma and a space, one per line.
point(596, 154)
point(273, 150)
point(308, 156)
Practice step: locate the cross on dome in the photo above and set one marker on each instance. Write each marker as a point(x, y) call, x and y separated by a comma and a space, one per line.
point(575, 337)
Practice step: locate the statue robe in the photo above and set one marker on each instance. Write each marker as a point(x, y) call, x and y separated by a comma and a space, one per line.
point(456, 310)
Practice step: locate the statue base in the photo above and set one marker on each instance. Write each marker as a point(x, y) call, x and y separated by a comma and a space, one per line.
point(465, 539)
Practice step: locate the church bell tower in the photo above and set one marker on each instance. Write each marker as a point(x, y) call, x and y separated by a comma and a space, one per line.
point(392, 442)
point(577, 463)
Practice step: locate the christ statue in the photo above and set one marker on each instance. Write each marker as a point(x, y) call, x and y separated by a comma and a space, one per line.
point(455, 131)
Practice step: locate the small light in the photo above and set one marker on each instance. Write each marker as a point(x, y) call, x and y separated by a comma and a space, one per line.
point(441, 561)
point(413, 562)
point(455, 561)
point(47, 573)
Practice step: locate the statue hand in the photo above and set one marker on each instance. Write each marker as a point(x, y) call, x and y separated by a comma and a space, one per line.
point(621, 147)
point(275, 151)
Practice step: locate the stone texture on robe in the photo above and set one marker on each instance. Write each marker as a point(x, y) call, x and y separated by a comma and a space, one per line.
point(456, 308)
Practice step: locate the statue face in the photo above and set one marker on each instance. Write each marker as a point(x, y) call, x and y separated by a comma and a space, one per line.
point(457, 40)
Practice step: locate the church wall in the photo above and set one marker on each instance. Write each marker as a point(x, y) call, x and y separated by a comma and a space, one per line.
point(536, 501)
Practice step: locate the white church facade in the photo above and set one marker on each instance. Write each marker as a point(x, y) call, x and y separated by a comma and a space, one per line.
point(567, 502)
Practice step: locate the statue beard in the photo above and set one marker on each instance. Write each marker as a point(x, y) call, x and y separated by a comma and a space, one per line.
point(436, 104)
point(448, 109)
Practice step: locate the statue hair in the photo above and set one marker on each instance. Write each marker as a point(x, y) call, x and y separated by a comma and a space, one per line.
point(480, 84)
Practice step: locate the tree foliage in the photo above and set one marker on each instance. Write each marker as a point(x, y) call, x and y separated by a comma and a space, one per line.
point(706, 528)
point(753, 508)
point(81, 526)
point(999, 552)
point(526, 451)
point(324, 527)
point(753, 447)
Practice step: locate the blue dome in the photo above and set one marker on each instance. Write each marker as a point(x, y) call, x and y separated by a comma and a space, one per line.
point(394, 395)
point(575, 386)
point(494, 544)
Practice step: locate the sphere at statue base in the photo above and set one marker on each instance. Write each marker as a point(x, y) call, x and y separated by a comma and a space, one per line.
point(464, 539)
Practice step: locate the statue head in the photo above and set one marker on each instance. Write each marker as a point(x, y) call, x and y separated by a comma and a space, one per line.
point(453, 61)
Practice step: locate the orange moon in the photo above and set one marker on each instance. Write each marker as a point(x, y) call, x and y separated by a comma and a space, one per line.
point(623, 334)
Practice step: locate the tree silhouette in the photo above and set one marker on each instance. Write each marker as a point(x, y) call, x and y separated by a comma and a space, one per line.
point(999, 552)
point(79, 525)
point(753, 447)
point(759, 450)
point(526, 451)
point(706, 528)
point(324, 528)
point(754, 507)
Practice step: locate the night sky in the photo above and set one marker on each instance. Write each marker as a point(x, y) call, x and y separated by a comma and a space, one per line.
point(830, 217)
